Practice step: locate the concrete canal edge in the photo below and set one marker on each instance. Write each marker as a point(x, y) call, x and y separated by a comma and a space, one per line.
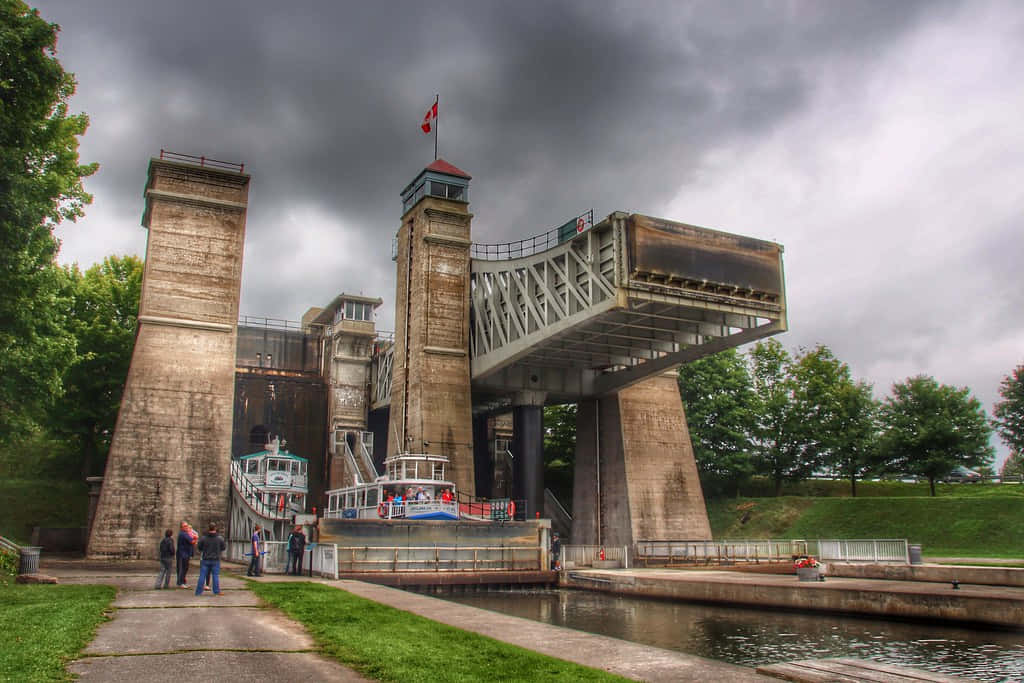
point(992, 606)
point(621, 657)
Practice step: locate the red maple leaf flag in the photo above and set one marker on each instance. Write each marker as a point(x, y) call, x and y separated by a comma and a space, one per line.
point(431, 114)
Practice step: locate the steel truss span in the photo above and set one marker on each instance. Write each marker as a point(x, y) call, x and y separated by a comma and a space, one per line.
point(627, 299)
point(630, 298)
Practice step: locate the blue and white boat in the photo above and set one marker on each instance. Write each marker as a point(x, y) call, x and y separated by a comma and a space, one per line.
point(413, 487)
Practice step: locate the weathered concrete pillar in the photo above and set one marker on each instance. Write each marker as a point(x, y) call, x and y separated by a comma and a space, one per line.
point(431, 404)
point(528, 449)
point(635, 476)
point(171, 451)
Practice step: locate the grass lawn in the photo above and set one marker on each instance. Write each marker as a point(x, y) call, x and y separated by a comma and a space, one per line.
point(391, 645)
point(45, 626)
point(978, 523)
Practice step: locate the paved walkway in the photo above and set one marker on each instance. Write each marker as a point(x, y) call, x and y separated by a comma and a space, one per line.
point(172, 635)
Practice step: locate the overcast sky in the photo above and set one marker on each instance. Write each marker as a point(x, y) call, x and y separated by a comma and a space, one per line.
point(882, 143)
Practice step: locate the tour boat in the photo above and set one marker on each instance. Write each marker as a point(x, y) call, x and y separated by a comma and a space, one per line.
point(273, 481)
point(412, 487)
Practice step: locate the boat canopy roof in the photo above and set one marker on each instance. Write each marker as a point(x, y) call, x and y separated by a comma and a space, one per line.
point(272, 454)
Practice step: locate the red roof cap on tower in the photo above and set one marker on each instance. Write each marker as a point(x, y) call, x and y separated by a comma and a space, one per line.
point(442, 166)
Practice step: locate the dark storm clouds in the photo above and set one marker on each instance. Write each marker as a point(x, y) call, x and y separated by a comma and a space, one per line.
point(552, 107)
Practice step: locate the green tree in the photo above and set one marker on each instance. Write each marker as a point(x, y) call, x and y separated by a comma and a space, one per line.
point(928, 429)
point(102, 318)
point(560, 450)
point(783, 445)
point(718, 394)
point(40, 185)
point(838, 414)
point(1013, 468)
point(1009, 413)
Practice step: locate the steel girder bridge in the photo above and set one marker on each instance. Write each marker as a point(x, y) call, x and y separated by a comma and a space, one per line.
point(587, 312)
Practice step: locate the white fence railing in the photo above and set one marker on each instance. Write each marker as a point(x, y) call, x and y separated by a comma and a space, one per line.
point(322, 557)
point(873, 550)
point(760, 550)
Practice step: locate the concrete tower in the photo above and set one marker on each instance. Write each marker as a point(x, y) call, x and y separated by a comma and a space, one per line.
point(171, 451)
point(431, 403)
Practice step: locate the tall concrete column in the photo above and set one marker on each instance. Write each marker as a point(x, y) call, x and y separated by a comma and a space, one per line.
point(170, 456)
point(635, 476)
point(528, 449)
point(431, 402)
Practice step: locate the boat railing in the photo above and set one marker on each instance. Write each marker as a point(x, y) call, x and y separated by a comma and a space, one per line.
point(357, 559)
point(393, 510)
point(253, 497)
point(494, 509)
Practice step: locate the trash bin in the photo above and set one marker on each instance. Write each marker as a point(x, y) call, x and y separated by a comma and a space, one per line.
point(914, 551)
point(29, 559)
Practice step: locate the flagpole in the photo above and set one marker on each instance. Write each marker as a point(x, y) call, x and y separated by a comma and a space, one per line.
point(437, 98)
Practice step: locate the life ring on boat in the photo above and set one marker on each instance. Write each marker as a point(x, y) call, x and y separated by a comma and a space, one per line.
point(511, 509)
point(382, 510)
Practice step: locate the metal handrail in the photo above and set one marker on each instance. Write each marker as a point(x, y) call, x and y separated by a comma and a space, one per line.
point(202, 161)
point(352, 462)
point(536, 244)
point(269, 323)
point(8, 544)
point(371, 469)
point(773, 550)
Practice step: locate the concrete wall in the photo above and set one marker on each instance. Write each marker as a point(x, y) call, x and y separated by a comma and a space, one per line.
point(635, 477)
point(267, 347)
point(430, 391)
point(171, 450)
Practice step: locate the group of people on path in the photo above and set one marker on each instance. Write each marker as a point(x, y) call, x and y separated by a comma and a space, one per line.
point(210, 548)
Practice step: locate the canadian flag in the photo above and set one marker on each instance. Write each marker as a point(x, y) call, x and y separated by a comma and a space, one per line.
point(431, 114)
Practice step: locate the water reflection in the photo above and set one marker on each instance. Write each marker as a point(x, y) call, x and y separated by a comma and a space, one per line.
point(752, 637)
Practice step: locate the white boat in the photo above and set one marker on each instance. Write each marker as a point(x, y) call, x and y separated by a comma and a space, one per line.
point(273, 482)
point(412, 487)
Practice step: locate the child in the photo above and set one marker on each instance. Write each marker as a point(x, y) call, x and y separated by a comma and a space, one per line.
point(163, 579)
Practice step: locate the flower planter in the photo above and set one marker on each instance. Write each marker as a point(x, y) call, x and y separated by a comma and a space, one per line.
point(808, 573)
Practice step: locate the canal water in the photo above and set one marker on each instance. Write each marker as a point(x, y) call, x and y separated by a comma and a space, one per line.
point(752, 637)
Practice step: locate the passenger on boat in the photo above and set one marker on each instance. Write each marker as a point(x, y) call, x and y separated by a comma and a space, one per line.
point(421, 494)
point(446, 495)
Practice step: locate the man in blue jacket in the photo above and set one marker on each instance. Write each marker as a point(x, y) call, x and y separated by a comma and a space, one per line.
point(184, 554)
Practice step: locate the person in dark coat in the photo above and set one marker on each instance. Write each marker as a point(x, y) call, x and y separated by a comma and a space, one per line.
point(210, 548)
point(296, 548)
point(163, 579)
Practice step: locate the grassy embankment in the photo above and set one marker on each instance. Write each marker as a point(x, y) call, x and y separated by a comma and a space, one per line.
point(390, 645)
point(25, 503)
point(45, 626)
point(963, 520)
